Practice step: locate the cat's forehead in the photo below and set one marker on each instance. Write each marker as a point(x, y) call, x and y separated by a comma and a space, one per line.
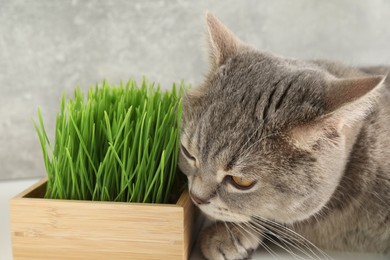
point(264, 89)
point(255, 69)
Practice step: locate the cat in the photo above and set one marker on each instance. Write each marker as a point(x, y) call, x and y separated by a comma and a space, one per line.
point(294, 151)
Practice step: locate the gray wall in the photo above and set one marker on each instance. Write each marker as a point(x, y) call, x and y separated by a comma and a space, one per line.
point(49, 46)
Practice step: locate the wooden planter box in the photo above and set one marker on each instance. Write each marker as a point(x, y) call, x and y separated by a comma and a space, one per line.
point(70, 229)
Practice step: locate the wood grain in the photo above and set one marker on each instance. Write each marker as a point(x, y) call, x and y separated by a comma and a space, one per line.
point(69, 229)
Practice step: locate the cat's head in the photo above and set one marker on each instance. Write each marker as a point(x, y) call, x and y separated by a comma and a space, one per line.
point(264, 135)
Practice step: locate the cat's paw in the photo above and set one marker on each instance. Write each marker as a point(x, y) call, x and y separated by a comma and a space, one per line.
point(225, 241)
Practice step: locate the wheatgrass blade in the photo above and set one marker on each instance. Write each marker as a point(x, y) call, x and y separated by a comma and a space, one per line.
point(116, 143)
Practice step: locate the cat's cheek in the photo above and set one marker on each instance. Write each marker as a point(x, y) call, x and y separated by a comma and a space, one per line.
point(185, 167)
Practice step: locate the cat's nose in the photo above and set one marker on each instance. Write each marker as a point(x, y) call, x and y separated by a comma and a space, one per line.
point(198, 200)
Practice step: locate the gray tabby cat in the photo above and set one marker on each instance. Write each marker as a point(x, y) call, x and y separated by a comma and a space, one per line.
point(296, 149)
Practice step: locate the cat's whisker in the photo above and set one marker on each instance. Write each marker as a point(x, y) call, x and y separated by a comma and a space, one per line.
point(295, 240)
point(259, 240)
point(245, 233)
point(284, 248)
point(286, 238)
point(260, 232)
point(288, 233)
point(242, 226)
point(293, 235)
point(292, 243)
point(231, 235)
point(269, 250)
point(299, 243)
point(228, 229)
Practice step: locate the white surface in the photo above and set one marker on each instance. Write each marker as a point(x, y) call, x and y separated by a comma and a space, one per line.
point(9, 189)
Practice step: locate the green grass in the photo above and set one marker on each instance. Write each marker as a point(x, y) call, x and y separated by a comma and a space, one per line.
point(118, 144)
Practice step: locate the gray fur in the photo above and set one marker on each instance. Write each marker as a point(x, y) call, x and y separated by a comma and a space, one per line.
point(317, 146)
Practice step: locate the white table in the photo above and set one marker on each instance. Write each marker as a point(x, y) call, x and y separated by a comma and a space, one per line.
point(8, 189)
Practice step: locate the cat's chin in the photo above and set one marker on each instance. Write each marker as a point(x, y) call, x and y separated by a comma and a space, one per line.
point(217, 215)
point(228, 219)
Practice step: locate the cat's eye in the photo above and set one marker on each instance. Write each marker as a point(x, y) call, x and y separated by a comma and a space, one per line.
point(242, 183)
point(187, 153)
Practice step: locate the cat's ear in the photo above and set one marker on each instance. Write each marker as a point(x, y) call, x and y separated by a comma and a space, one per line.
point(351, 99)
point(223, 43)
point(347, 101)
